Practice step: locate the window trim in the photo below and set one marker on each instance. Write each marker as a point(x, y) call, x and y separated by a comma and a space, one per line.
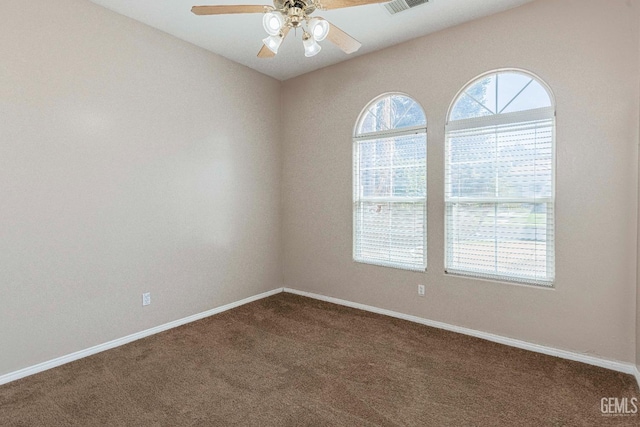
point(360, 137)
point(543, 113)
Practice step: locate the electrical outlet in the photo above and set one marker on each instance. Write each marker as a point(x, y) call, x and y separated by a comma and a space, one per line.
point(146, 298)
point(421, 290)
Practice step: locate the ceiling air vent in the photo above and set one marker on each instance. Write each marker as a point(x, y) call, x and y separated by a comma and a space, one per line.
point(396, 6)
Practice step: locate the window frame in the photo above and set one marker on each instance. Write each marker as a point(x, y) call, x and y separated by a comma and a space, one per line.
point(495, 120)
point(355, 162)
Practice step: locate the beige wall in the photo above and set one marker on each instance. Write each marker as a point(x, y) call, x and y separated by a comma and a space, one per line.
point(638, 260)
point(130, 161)
point(587, 51)
point(128, 165)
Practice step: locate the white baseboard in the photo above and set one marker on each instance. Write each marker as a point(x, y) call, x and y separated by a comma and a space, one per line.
point(627, 368)
point(12, 376)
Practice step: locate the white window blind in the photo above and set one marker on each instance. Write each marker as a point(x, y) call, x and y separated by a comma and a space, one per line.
point(389, 184)
point(499, 181)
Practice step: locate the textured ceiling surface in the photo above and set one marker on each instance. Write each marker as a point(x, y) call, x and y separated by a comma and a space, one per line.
point(239, 37)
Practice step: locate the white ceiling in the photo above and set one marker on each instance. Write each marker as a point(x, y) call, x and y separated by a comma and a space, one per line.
point(238, 37)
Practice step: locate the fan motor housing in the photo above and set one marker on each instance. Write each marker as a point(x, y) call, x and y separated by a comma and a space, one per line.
point(308, 6)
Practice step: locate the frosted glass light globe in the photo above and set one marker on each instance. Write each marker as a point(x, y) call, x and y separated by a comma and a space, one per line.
point(272, 23)
point(319, 29)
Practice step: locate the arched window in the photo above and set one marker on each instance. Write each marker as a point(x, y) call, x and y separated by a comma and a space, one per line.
point(500, 179)
point(390, 183)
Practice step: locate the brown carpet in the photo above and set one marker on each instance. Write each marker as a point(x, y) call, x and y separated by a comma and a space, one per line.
point(293, 361)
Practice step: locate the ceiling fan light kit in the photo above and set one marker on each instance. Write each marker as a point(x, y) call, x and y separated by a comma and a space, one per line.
point(319, 28)
point(273, 42)
point(311, 46)
point(272, 23)
point(285, 15)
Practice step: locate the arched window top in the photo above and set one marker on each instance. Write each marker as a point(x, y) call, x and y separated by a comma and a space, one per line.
point(390, 112)
point(500, 92)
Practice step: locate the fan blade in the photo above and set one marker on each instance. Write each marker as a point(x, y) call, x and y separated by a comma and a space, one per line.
point(337, 4)
point(219, 10)
point(265, 52)
point(343, 40)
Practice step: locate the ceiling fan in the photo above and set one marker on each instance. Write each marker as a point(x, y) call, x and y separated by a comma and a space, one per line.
point(284, 15)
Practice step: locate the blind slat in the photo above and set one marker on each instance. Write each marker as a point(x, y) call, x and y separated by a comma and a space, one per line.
point(390, 199)
point(499, 198)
